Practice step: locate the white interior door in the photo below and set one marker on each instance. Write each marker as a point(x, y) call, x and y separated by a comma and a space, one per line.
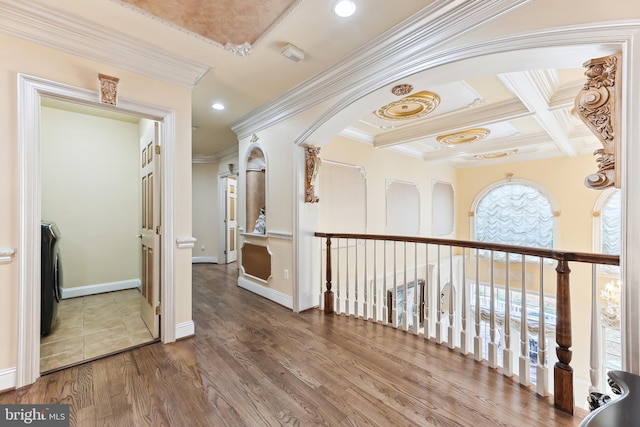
point(150, 186)
point(231, 220)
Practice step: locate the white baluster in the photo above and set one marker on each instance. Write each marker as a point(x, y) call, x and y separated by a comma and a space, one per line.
point(338, 301)
point(322, 281)
point(394, 295)
point(428, 312)
point(365, 311)
point(375, 281)
point(542, 371)
point(385, 307)
point(416, 292)
point(405, 297)
point(356, 302)
point(438, 302)
point(525, 361)
point(493, 346)
point(477, 339)
point(347, 303)
point(464, 338)
point(594, 359)
point(507, 354)
point(450, 340)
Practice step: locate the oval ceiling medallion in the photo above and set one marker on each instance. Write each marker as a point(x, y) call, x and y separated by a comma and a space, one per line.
point(411, 107)
point(464, 137)
point(496, 155)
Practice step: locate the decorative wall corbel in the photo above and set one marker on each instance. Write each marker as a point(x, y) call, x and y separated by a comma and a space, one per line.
point(312, 164)
point(598, 106)
point(108, 89)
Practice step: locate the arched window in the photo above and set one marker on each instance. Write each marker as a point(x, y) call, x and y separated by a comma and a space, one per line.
point(610, 234)
point(515, 213)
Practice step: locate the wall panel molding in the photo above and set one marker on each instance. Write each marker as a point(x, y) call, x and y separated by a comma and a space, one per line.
point(6, 255)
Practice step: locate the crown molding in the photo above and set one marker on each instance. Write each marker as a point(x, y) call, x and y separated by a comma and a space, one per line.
point(475, 117)
point(215, 157)
point(507, 143)
point(358, 135)
point(30, 21)
point(377, 62)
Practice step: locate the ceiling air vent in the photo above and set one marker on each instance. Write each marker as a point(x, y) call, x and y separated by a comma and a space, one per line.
point(293, 53)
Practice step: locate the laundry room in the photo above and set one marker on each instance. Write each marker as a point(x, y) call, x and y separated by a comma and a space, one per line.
point(90, 169)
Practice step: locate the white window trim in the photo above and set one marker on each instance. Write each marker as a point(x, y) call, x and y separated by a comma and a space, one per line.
point(552, 201)
point(596, 216)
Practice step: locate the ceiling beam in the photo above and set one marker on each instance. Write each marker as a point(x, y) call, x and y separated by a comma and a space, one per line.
point(533, 89)
point(473, 117)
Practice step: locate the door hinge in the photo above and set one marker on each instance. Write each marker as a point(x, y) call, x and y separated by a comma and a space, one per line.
point(157, 149)
point(157, 310)
point(225, 252)
point(158, 230)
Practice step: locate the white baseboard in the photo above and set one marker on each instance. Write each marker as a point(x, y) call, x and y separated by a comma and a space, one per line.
point(268, 293)
point(99, 288)
point(204, 260)
point(7, 379)
point(185, 329)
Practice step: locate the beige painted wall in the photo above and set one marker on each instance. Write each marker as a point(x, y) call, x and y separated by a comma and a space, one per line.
point(89, 178)
point(276, 144)
point(383, 165)
point(206, 215)
point(23, 57)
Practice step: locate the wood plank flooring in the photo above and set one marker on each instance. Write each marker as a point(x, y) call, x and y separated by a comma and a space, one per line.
point(255, 363)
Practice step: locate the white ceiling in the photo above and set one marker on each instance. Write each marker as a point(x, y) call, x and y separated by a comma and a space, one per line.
point(527, 114)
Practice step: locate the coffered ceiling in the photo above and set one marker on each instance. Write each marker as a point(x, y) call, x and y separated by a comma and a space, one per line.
point(234, 48)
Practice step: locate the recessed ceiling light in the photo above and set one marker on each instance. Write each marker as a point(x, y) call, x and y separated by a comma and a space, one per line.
point(217, 106)
point(344, 8)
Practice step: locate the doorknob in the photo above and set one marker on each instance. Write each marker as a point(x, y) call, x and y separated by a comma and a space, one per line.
point(139, 236)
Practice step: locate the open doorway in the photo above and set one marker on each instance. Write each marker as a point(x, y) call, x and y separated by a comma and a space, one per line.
point(101, 205)
point(230, 184)
point(31, 90)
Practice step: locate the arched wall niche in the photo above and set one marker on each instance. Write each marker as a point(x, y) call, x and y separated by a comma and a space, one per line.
point(255, 179)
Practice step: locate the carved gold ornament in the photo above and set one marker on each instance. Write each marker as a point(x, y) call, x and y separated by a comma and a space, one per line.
point(410, 107)
point(108, 89)
point(496, 155)
point(598, 106)
point(312, 164)
point(464, 137)
point(401, 90)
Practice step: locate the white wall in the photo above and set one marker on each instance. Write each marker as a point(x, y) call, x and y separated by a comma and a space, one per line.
point(89, 178)
point(206, 212)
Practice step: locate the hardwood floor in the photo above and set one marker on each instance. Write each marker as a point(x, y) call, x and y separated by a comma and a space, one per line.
point(255, 363)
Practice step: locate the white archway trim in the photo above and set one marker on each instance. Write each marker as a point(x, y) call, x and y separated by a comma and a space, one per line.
point(434, 25)
point(559, 47)
point(30, 91)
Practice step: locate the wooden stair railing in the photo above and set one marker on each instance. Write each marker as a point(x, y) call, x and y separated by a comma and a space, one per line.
point(563, 372)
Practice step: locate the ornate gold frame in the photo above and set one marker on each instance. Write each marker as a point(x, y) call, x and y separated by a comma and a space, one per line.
point(312, 164)
point(598, 106)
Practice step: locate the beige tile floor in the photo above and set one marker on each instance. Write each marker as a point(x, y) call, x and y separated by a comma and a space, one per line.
point(92, 326)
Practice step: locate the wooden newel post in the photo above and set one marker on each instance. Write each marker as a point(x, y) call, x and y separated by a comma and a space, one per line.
point(328, 294)
point(563, 372)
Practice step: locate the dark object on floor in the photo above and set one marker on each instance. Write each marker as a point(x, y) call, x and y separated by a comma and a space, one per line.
point(50, 276)
point(596, 400)
point(622, 412)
